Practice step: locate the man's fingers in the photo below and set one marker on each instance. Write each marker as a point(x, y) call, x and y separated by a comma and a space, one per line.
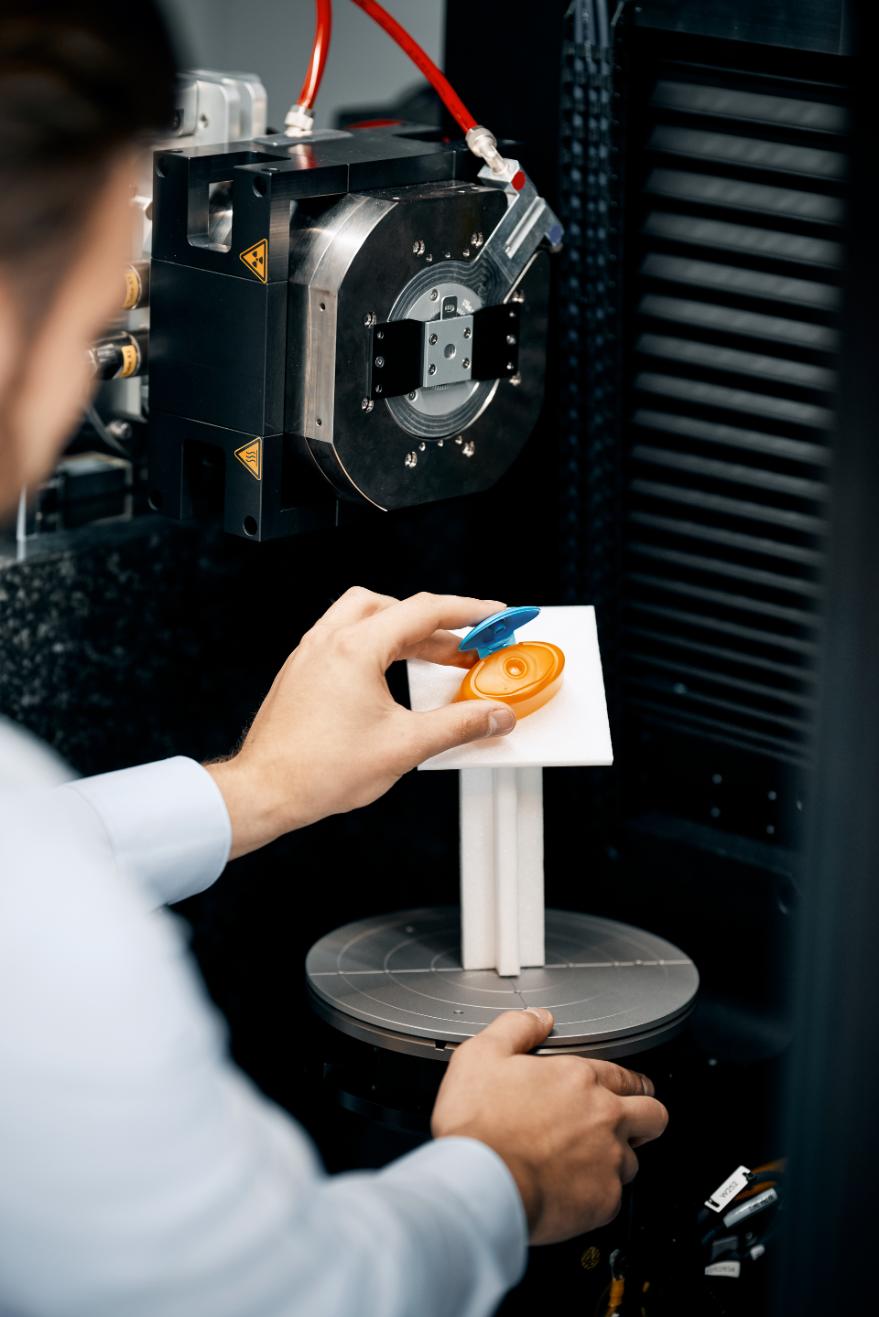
point(442, 647)
point(355, 605)
point(396, 630)
point(516, 1031)
point(627, 1083)
point(629, 1168)
point(644, 1119)
point(428, 734)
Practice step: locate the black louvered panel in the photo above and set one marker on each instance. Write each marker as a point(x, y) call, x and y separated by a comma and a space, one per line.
point(733, 379)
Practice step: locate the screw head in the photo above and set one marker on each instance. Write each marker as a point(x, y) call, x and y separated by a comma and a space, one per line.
point(422, 446)
point(511, 339)
point(432, 339)
point(516, 379)
point(434, 294)
point(476, 239)
point(459, 439)
point(468, 333)
point(431, 370)
point(379, 361)
point(465, 364)
point(518, 296)
point(411, 396)
point(410, 460)
point(469, 448)
point(366, 404)
point(369, 318)
point(465, 253)
point(418, 247)
point(378, 388)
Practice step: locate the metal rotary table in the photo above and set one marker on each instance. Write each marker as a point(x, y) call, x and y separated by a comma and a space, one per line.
point(395, 981)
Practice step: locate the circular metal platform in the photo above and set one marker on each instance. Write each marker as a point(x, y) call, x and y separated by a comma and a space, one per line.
point(396, 981)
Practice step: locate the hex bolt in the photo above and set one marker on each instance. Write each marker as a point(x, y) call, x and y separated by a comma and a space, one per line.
point(369, 319)
point(379, 361)
point(366, 404)
point(410, 460)
point(432, 339)
point(469, 448)
point(431, 370)
point(418, 247)
point(466, 363)
point(433, 294)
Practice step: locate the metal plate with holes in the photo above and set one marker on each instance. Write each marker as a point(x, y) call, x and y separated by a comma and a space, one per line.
point(382, 257)
point(396, 981)
point(447, 350)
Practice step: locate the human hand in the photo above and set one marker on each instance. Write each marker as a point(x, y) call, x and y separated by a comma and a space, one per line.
point(565, 1126)
point(329, 736)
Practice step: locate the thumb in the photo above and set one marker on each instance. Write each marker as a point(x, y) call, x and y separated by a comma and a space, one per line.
point(456, 724)
point(517, 1031)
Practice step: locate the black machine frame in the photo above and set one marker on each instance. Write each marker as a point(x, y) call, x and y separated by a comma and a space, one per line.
point(703, 829)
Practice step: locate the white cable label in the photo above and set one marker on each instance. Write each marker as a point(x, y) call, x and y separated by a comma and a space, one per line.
point(728, 1190)
point(732, 1268)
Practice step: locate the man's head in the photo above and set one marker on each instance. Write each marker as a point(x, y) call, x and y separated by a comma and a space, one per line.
point(81, 92)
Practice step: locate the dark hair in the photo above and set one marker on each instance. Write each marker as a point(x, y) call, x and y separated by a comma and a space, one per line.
point(79, 81)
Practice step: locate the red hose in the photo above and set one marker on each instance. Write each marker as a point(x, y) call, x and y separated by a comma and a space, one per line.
point(449, 97)
point(319, 50)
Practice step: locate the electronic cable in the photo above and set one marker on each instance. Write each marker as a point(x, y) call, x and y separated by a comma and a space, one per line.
point(104, 434)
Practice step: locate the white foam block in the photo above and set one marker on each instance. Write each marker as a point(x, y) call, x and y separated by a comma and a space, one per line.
point(502, 921)
point(571, 731)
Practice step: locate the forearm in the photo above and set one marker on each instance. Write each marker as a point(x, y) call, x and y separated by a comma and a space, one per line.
point(165, 824)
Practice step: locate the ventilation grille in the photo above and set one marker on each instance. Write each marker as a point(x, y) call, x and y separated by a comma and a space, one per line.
point(734, 370)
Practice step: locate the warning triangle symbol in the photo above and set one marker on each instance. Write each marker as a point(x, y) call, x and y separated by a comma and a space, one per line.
point(250, 455)
point(256, 259)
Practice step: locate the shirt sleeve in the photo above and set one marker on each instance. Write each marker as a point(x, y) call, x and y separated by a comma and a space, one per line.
point(142, 1172)
point(166, 824)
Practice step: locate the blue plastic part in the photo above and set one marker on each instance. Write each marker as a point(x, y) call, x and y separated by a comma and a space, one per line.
point(499, 630)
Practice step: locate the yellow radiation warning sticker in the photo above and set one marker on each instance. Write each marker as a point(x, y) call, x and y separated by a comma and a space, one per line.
point(256, 258)
point(250, 455)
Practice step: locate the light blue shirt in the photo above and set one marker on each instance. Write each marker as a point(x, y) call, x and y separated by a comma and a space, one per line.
point(141, 1173)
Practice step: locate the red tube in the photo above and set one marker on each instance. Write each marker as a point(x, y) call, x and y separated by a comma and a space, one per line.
point(449, 97)
point(319, 51)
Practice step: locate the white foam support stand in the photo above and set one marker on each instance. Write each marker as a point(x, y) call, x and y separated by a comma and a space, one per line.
point(501, 792)
point(501, 868)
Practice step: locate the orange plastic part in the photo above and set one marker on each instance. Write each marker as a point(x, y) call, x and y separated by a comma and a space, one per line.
point(526, 676)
